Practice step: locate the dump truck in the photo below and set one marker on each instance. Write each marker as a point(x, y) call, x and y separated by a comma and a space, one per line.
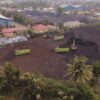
point(57, 38)
point(22, 52)
point(61, 50)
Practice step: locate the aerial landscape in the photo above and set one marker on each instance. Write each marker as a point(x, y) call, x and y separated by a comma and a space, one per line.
point(49, 49)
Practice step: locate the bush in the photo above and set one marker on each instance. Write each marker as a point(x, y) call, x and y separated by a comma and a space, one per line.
point(35, 87)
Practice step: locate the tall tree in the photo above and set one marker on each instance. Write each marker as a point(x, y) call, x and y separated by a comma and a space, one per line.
point(79, 71)
point(12, 74)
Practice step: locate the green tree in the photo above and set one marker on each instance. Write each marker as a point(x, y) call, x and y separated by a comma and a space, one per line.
point(6, 24)
point(86, 93)
point(61, 26)
point(96, 70)
point(12, 74)
point(79, 71)
point(45, 22)
point(60, 10)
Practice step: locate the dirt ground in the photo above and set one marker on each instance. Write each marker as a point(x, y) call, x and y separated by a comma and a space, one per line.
point(42, 59)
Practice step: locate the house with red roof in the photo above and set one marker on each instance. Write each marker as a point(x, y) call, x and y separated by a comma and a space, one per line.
point(39, 28)
point(7, 32)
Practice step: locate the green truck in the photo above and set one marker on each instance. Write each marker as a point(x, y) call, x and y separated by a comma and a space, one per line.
point(62, 50)
point(57, 38)
point(22, 52)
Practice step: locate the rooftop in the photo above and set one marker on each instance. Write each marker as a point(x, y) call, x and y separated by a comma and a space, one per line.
point(40, 27)
point(3, 17)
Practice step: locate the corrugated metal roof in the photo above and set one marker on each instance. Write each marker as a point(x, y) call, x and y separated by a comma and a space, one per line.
point(3, 17)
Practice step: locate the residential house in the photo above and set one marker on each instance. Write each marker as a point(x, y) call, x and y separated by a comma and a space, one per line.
point(18, 30)
point(73, 24)
point(7, 32)
point(5, 22)
point(51, 27)
point(39, 28)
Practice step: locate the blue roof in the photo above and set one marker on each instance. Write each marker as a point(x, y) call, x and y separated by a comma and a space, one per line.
point(76, 8)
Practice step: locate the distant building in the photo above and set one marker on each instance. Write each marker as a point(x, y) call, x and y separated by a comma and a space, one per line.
point(73, 24)
point(5, 22)
point(39, 28)
point(97, 14)
point(7, 32)
point(5, 41)
point(18, 30)
point(51, 27)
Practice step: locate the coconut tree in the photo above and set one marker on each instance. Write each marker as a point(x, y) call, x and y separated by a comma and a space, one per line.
point(79, 71)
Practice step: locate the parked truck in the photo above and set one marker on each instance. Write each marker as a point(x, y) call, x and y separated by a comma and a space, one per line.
point(22, 52)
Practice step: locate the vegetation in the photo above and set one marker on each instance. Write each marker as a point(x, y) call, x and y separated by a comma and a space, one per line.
point(17, 85)
point(34, 4)
point(96, 70)
point(60, 10)
point(18, 17)
point(79, 71)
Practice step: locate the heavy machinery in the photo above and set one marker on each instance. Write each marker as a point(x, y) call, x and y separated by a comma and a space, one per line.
point(22, 52)
point(62, 50)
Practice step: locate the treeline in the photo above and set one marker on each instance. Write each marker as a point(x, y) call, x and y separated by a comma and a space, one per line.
point(19, 17)
point(33, 4)
point(28, 86)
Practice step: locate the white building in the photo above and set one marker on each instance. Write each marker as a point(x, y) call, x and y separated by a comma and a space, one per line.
point(73, 24)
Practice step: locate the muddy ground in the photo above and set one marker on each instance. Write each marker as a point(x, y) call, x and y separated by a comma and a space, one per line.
point(42, 59)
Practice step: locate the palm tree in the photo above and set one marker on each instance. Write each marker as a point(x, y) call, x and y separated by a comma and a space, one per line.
point(79, 71)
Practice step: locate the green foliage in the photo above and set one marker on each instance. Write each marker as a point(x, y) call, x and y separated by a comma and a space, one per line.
point(87, 93)
point(29, 32)
point(18, 17)
point(61, 26)
point(2, 98)
point(35, 87)
point(10, 78)
point(12, 74)
point(96, 68)
point(45, 22)
point(79, 71)
point(96, 73)
point(60, 10)
point(6, 23)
